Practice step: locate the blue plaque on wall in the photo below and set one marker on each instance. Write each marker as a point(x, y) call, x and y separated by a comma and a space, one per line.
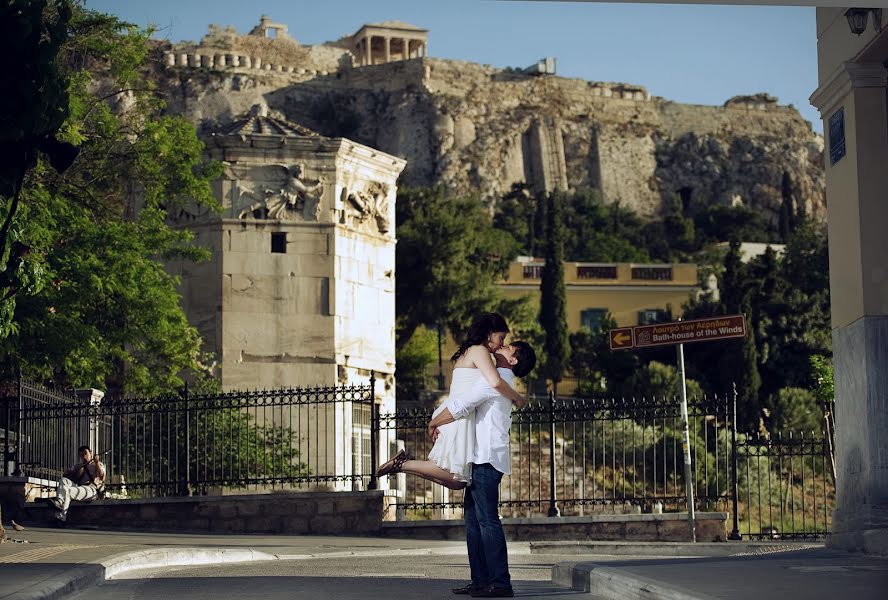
point(837, 136)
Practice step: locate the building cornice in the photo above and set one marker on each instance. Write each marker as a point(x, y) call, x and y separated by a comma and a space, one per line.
point(847, 77)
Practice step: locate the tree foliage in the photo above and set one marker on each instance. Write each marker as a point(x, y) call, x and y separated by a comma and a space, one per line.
point(106, 314)
point(449, 257)
point(553, 301)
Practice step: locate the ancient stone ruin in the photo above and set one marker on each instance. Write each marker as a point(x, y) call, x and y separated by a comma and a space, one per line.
point(478, 129)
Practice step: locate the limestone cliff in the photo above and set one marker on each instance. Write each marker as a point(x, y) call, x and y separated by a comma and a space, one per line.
point(477, 129)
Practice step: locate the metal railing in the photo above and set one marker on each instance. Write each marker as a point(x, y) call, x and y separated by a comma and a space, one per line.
point(577, 456)
point(293, 438)
point(570, 455)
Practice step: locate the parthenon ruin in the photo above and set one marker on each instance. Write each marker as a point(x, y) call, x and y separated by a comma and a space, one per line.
point(380, 43)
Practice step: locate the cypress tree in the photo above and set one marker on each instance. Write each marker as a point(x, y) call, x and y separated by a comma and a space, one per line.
point(553, 312)
point(540, 225)
point(748, 379)
point(787, 217)
point(733, 280)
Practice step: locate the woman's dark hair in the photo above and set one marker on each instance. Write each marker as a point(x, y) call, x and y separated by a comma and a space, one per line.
point(480, 330)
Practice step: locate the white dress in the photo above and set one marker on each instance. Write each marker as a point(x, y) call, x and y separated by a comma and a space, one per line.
point(455, 445)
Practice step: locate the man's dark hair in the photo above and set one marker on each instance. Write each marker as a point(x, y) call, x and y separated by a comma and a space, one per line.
point(526, 357)
point(82, 448)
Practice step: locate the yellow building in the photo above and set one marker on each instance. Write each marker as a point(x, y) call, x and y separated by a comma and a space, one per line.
point(634, 294)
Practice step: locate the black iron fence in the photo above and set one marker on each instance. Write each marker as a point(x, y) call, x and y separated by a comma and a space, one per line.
point(577, 456)
point(294, 438)
point(574, 456)
point(571, 456)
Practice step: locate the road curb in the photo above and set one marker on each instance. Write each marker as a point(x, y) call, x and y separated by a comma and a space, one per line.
point(81, 577)
point(609, 583)
point(668, 549)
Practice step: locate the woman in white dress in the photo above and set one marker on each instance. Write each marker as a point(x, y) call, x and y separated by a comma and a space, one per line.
point(475, 379)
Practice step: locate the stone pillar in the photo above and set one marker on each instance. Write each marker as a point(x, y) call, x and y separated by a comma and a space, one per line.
point(858, 245)
point(169, 59)
point(368, 53)
point(235, 60)
point(388, 49)
point(220, 61)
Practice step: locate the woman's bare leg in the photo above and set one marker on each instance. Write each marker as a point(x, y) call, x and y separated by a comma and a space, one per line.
point(429, 470)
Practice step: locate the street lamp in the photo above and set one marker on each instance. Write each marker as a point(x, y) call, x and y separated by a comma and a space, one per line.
point(857, 19)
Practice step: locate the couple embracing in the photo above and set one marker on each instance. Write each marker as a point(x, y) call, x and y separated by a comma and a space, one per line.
point(471, 449)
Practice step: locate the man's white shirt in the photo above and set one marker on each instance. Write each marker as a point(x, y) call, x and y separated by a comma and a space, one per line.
point(493, 418)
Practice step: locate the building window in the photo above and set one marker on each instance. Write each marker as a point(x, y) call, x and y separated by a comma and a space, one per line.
point(591, 318)
point(279, 242)
point(652, 273)
point(533, 272)
point(649, 316)
point(597, 272)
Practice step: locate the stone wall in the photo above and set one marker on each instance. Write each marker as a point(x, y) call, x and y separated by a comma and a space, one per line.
point(667, 527)
point(314, 513)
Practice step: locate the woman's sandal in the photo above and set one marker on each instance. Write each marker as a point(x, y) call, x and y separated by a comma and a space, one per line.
point(393, 465)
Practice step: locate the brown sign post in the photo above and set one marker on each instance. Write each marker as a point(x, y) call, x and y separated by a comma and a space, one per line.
point(680, 333)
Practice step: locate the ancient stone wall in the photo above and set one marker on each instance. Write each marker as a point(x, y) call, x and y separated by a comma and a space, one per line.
point(478, 130)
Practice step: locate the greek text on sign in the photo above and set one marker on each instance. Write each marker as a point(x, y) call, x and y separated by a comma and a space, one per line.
point(686, 332)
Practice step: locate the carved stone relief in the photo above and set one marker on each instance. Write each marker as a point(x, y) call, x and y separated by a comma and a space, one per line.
point(275, 192)
point(366, 204)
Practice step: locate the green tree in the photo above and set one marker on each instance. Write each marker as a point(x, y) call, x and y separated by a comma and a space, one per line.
point(516, 213)
point(449, 258)
point(600, 369)
point(787, 216)
point(109, 315)
point(740, 365)
point(734, 283)
point(553, 312)
point(413, 360)
point(33, 107)
point(796, 410)
point(824, 389)
point(657, 380)
point(719, 223)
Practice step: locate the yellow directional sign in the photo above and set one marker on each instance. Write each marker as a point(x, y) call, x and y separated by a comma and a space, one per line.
point(621, 338)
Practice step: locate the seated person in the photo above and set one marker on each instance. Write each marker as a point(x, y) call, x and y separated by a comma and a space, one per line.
point(83, 481)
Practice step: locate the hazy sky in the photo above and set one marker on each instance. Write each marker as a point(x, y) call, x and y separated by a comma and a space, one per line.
point(694, 54)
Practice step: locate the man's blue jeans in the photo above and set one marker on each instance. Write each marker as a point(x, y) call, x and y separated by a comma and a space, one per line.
point(484, 531)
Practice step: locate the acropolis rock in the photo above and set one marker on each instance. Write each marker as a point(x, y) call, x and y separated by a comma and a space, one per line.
point(478, 129)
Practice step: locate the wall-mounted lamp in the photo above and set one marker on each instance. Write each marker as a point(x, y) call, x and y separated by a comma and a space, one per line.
point(857, 18)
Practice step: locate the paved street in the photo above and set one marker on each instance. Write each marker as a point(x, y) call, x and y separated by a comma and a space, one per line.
point(336, 577)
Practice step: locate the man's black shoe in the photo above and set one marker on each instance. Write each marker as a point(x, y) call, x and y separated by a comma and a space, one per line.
point(465, 590)
point(51, 503)
point(58, 524)
point(493, 592)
